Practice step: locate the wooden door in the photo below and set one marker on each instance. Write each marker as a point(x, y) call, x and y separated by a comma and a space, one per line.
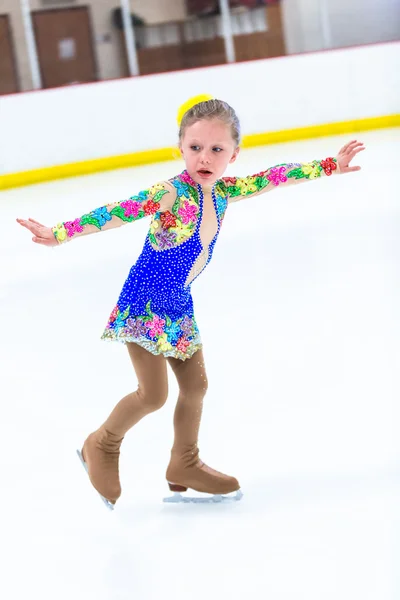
point(65, 46)
point(8, 71)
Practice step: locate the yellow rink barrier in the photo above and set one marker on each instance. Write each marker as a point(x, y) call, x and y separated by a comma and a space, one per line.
point(86, 167)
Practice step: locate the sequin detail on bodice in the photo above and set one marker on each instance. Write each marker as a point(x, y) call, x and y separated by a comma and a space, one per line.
point(155, 307)
point(175, 268)
point(207, 232)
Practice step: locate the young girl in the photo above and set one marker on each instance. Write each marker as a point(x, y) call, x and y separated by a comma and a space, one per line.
point(154, 314)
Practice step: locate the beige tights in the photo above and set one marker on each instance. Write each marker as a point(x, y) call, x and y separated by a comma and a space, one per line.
point(102, 447)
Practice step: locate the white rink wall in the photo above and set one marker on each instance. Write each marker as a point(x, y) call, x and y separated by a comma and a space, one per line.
point(58, 126)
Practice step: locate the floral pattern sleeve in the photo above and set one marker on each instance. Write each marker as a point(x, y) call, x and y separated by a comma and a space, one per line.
point(279, 175)
point(146, 202)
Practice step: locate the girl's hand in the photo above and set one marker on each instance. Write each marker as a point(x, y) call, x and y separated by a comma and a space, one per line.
point(42, 234)
point(346, 155)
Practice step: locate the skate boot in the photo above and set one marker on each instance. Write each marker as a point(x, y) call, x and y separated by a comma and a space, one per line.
point(186, 470)
point(99, 456)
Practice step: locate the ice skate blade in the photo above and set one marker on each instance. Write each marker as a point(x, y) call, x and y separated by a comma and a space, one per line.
point(108, 504)
point(217, 498)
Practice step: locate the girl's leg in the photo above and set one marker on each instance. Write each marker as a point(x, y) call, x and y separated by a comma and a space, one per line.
point(185, 468)
point(102, 448)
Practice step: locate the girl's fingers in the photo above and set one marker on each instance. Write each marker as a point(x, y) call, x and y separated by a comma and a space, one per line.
point(41, 234)
point(31, 224)
point(354, 146)
point(346, 146)
point(350, 146)
point(352, 150)
point(354, 153)
point(27, 225)
point(39, 231)
point(36, 222)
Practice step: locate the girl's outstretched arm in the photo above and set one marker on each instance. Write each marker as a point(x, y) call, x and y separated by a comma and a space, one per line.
point(291, 173)
point(157, 198)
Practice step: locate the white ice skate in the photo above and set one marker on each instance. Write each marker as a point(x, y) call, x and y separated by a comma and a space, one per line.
point(214, 498)
point(108, 504)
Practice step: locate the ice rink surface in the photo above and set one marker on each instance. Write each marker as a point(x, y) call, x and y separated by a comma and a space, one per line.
point(299, 316)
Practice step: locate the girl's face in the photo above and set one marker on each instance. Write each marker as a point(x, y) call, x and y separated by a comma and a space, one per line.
point(207, 148)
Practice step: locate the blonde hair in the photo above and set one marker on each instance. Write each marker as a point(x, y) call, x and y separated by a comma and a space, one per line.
point(211, 109)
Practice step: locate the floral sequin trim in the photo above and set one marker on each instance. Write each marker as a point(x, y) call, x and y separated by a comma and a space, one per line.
point(237, 186)
point(157, 333)
point(143, 204)
point(221, 198)
point(60, 233)
point(174, 227)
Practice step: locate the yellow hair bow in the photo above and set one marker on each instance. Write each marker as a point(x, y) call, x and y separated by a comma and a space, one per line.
point(189, 104)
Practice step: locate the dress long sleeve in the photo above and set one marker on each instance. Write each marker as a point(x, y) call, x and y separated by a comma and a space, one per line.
point(281, 175)
point(146, 202)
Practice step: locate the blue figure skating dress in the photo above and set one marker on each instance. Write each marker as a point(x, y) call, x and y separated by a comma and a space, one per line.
point(155, 306)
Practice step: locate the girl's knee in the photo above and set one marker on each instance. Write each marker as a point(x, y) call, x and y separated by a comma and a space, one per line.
point(197, 387)
point(153, 398)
